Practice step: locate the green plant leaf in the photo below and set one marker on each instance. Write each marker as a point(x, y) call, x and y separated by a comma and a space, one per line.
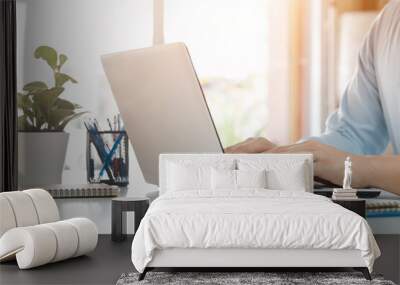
point(64, 104)
point(27, 111)
point(35, 86)
point(48, 54)
point(24, 124)
point(43, 104)
point(62, 78)
point(23, 101)
point(21, 123)
point(62, 109)
point(62, 58)
point(46, 99)
point(69, 119)
point(39, 116)
point(40, 106)
point(56, 117)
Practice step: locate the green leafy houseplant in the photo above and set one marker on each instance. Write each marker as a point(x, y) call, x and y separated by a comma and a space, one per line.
point(41, 107)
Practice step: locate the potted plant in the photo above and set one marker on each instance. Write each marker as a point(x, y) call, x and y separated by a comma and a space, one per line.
point(43, 116)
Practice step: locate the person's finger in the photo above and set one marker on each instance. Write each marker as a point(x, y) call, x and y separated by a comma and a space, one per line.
point(301, 148)
point(239, 147)
point(279, 149)
point(234, 148)
point(249, 139)
point(236, 145)
point(258, 145)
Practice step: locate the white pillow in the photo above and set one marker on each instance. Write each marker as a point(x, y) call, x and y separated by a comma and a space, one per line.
point(237, 179)
point(293, 179)
point(188, 175)
point(223, 179)
point(181, 177)
point(282, 174)
point(251, 178)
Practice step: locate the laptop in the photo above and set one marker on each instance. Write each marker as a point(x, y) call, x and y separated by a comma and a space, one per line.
point(161, 103)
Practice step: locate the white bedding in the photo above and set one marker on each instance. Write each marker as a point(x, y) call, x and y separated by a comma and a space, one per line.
point(250, 219)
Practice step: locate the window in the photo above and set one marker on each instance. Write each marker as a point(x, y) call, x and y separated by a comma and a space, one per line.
point(228, 42)
point(252, 60)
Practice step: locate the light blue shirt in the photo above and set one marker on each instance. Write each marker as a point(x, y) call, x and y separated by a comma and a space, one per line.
point(369, 114)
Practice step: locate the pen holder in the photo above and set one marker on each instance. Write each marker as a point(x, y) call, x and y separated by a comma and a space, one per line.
point(107, 158)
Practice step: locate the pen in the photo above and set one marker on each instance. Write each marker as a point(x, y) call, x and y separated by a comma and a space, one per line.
point(109, 124)
point(96, 124)
point(119, 124)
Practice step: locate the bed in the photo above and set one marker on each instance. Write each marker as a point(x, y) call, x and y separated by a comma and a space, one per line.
point(246, 211)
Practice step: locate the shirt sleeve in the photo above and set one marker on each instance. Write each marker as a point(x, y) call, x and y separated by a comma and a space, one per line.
point(358, 126)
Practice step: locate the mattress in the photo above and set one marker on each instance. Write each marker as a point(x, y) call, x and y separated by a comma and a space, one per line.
point(250, 219)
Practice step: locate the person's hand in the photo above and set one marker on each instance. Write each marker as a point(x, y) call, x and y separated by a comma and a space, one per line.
point(328, 161)
point(251, 145)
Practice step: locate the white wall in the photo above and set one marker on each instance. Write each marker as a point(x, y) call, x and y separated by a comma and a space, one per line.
point(84, 30)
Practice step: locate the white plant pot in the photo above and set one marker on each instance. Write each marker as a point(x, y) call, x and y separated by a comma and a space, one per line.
point(41, 157)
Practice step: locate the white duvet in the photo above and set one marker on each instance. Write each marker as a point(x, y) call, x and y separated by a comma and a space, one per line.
point(250, 219)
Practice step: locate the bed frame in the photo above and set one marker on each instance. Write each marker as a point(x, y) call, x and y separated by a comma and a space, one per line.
point(250, 259)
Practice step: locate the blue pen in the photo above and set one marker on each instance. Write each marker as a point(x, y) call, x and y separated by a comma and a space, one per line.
point(111, 153)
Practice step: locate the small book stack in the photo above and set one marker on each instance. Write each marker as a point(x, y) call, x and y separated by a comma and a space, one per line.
point(383, 208)
point(344, 194)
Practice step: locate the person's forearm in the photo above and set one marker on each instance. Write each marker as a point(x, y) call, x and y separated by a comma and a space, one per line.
point(379, 171)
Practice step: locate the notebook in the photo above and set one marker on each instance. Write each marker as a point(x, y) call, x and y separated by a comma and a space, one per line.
point(383, 208)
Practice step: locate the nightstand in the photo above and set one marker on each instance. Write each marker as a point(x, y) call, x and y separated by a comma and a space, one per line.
point(357, 206)
point(120, 206)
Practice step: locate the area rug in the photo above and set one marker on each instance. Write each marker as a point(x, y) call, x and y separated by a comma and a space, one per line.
point(268, 278)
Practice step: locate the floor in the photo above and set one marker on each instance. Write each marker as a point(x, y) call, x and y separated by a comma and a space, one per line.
point(111, 259)
point(388, 264)
point(103, 266)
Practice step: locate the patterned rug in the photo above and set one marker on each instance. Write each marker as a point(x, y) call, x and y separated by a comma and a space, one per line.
point(268, 278)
